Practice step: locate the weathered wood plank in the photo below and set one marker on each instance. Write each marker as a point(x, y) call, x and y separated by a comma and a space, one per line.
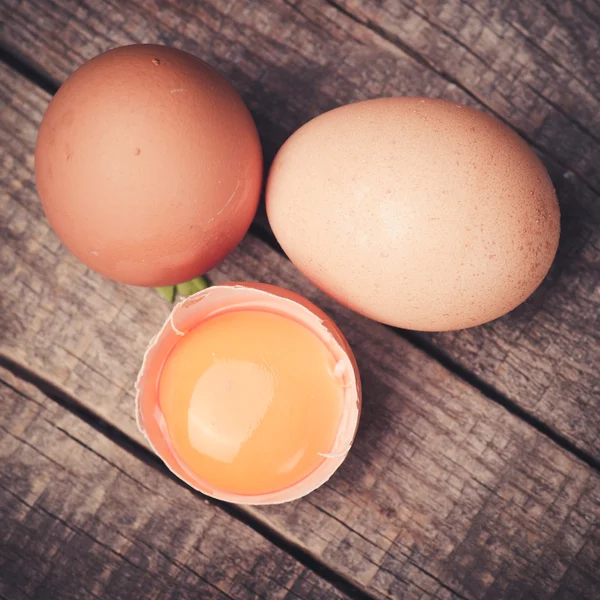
point(83, 518)
point(292, 61)
point(444, 490)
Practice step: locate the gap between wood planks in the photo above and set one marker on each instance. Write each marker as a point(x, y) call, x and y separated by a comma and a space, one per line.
point(34, 74)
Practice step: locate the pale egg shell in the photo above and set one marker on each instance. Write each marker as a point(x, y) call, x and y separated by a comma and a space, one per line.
point(148, 165)
point(416, 212)
point(215, 300)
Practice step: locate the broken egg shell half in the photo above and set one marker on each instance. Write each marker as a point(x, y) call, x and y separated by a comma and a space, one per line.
point(206, 304)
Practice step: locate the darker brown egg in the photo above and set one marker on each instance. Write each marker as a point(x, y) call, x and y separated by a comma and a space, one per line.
point(148, 165)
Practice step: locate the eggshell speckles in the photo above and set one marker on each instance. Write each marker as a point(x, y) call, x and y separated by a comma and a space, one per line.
point(415, 212)
point(148, 165)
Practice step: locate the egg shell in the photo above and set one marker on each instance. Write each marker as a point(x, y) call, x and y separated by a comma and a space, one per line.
point(416, 212)
point(216, 300)
point(148, 165)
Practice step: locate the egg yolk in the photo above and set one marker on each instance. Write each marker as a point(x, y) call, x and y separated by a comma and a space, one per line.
point(251, 401)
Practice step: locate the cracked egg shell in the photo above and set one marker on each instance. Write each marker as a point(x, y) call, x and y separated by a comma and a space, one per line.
point(221, 430)
point(416, 212)
point(148, 165)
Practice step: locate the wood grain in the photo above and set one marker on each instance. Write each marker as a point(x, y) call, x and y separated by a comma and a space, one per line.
point(533, 64)
point(83, 518)
point(444, 495)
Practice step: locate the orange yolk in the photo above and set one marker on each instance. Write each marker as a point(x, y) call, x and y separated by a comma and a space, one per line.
point(251, 401)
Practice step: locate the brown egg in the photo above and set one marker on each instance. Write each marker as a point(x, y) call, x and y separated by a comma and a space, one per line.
point(416, 212)
point(148, 165)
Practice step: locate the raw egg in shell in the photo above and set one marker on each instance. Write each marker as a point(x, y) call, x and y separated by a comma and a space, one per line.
point(250, 394)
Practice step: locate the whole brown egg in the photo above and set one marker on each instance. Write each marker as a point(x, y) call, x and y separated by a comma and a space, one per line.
point(416, 212)
point(148, 165)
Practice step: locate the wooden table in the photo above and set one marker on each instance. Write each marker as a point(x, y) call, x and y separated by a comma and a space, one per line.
point(475, 473)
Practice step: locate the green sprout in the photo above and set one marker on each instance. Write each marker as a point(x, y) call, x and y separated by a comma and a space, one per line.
point(187, 288)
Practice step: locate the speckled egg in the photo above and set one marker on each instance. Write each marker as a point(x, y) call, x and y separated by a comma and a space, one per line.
point(416, 212)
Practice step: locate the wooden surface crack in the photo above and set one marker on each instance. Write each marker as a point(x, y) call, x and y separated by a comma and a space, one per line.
point(25, 67)
point(23, 441)
point(182, 566)
point(90, 449)
point(531, 40)
point(499, 398)
point(565, 114)
point(447, 34)
point(70, 526)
